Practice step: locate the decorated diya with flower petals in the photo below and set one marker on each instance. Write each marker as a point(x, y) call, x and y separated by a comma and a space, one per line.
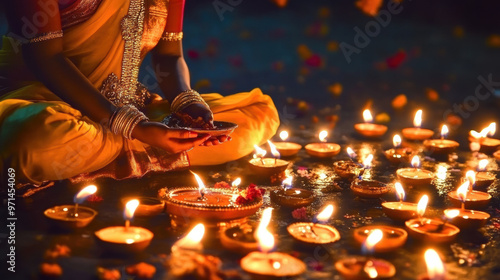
point(393, 237)
point(315, 233)
point(212, 205)
point(240, 239)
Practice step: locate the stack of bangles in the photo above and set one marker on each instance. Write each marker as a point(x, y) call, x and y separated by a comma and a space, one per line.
point(185, 99)
point(124, 120)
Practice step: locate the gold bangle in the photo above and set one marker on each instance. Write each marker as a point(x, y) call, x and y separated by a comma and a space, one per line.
point(125, 119)
point(172, 36)
point(46, 36)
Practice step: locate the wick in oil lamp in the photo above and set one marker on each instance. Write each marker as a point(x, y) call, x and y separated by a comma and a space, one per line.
point(365, 187)
point(431, 230)
point(263, 166)
point(415, 176)
point(369, 129)
point(348, 169)
point(398, 154)
point(467, 219)
point(392, 238)
point(266, 264)
point(125, 239)
point(323, 149)
point(400, 211)
point(488, 144)
point(416, 133)
point(287, 149)
point(441, 146)
point(73, 216)
point(240, 239)
point(316, 233)
point(366, 267)
point(287, 196)
point(473, 199)
point(216, 207)
point(484, 178)
point(435, 267)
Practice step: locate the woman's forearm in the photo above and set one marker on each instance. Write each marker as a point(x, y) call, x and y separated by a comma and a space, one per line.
point(64, 79)
point(172, 74)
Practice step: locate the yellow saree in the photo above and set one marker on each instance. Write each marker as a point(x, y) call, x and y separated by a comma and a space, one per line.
point(44, 138)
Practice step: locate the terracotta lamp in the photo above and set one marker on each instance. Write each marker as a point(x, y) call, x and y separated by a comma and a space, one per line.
point(287, 149)
point(369, 129)
point(416, 133)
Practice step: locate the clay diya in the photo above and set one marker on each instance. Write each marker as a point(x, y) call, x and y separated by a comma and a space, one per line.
point(366, 267)
point(291, 197)
point(400, 211)
point(240, 239)
point(125, 239)
point(393, 237)
point(435, 267)
point(441, 146)
point(469, 219)
point(398, 154)
point(416, 133)
point(266, 264)
point(488, 145)
point(263, 166)
point(287, 149)
point(213, 206)
point(415, 176)
point(148, 206)
point(471, 198)
point(369, 129)
point(430, 230)
point(323, 149)
point(315, 233)
point(369, 188)
point(483, 178)
point(496, 155)
point(71, 217)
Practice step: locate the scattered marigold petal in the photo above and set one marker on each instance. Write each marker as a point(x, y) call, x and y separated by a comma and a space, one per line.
point(315, 119)
point(493, 41)
point(51, 270)
point(396, 60)
point(141, 270)
point(314, 61)
point(333, 46)
point(454, 120)
point(369, 7)
point(280, 3)
point(336, 89)
point(382, 118)
point(399, 101)
point(304, 52)
point(431, 94)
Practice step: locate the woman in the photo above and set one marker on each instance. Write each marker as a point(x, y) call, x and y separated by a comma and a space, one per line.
point(71, 105)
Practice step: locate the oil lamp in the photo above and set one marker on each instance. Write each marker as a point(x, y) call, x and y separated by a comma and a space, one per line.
point(416, 133)
point(263, 166)
point(441, 146)
point(400, 211)
point(369, 129)
point(285, 148)
point(316, 233)
point(415, 176)
point(398, 154)
point(322, 149)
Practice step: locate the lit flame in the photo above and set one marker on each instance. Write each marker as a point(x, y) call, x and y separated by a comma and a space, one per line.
point(201, 186)
point(396, 140)
point(84, 193)
point(493, 129)
point(373, 238)
point(274, 151)
point(484, 132)
point(417, 121)
point(415, 162)
point(130, 208)
point(276, 265)
point(367, 163)
point(284, 135)
point(259, 153)
point(422, 204)
point(482, 165)
point(475, 134)
point(236, 182)
point(263, 236)
point(435, 267)
point(324, 215)
point(192, 239)
point(452, 213)
point(462, 191)
point(471, 177)
point(400, 191)
point(444, 131)
point(322, 136)
point(287, 183)
point(351, 152)
point(367, 116)
point(370, 270)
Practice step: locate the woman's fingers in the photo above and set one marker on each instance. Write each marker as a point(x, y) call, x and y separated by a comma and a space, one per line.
point(186, 144)
point(182, 134)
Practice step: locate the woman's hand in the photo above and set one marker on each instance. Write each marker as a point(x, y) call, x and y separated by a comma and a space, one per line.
point(171, 140)
point(196, 110)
